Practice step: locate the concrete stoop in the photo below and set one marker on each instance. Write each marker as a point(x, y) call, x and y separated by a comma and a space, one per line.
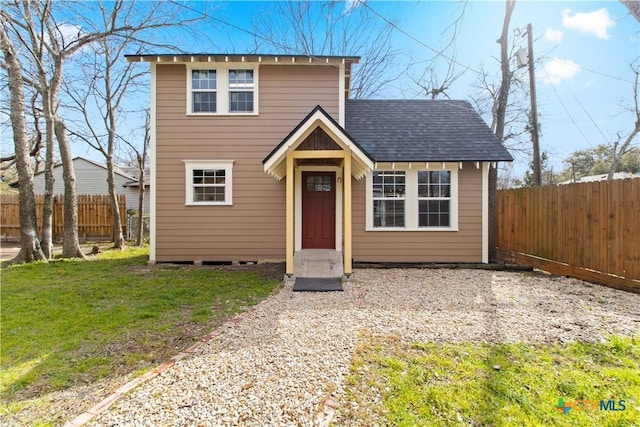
point(318, 263)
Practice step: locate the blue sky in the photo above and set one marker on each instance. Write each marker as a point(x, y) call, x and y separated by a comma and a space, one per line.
point(583, 51)
point(578, 43)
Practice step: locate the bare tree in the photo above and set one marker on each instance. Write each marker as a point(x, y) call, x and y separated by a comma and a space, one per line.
point(106, 84)
point(499, 130)
point(30, 249)
point(620, 146)
point(99, 95)
point(431, 84)
point(49, 45)
point(35, 136)
point(311, 28)
point(141, 159)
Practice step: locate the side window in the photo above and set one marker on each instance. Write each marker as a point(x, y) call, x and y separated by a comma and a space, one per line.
point(388, 199)
point(208, 183)
point(434, 198)
point(413, 199)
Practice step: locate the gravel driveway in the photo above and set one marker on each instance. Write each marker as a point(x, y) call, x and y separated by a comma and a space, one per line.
point(278, 363)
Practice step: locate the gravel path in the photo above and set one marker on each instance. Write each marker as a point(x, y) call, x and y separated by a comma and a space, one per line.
point(278, 363)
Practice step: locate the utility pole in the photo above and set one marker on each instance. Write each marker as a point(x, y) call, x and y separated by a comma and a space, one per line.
point(537, 175)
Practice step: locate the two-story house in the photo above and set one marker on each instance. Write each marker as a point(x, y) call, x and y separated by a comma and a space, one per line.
point(264, 157)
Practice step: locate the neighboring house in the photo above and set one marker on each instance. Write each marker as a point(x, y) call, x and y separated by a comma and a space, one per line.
point(601, 177)
point(91, 178)
point(263, 157)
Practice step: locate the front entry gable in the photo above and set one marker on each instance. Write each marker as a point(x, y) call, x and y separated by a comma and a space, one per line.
point(317, 136)
point(318, 140)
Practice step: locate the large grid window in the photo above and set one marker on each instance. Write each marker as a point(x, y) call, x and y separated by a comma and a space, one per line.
point(241, 88)
point(389, 199)
point(434, 198)
point(208, 183)
point(413, 198)
point(203, 91)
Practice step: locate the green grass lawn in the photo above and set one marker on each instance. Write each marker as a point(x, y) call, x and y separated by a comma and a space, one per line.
point(71, 322)
point(434, 384)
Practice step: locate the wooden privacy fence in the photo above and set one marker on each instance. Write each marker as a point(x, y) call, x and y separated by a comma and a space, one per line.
point(94, 216)
point(589, 230)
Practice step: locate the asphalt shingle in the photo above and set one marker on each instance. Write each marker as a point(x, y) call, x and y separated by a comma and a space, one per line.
point(422, 130)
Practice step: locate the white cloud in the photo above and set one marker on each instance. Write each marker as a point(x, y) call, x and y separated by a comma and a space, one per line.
point(554, 36)
point(65, 35)
point(69, 33)
point(558, 70)
point(596, 23)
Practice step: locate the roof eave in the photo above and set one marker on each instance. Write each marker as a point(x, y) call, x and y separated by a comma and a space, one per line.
point(168, 58)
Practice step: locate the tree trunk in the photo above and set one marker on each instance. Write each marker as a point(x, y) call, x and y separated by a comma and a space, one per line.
point(47, 212)
point(70, 243)
point(618, 153)
point(493, 213)
point(501, 111)
point(141, 190)
point(118, 238)
point(30, 249)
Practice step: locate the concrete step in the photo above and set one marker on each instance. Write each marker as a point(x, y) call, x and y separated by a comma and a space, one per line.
point(317, 263)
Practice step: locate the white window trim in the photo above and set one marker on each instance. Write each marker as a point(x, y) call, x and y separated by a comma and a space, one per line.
point(190, 165)
point(411, 198)
point(222, 87)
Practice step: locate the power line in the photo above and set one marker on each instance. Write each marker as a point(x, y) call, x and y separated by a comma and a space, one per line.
point(251, 33)
point(565, 109)
point(420, 42)
point(594, 71)
point(588, 115)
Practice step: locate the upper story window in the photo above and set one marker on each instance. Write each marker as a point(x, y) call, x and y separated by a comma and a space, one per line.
point(203, 87)
point(241, 91)
point(222, 88)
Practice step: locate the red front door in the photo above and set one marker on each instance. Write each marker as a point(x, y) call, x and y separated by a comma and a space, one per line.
point(318, 210)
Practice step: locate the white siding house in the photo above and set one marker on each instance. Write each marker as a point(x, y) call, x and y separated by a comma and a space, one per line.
point(91, 178)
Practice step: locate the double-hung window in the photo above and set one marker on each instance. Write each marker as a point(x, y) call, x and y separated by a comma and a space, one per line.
point(222, 89)
point(241, 91)
point(434, 198)
point(413, 198)
point(203, 91)
point(388, 198)
point(208, 183)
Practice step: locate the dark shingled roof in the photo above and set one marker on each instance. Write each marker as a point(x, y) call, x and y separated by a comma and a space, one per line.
point(422, 131)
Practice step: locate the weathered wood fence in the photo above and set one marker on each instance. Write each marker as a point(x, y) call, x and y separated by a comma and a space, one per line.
point(94, 216)
point(589, 230)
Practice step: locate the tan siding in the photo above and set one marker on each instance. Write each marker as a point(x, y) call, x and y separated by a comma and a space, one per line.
point(424, 246)
point(254, 227)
